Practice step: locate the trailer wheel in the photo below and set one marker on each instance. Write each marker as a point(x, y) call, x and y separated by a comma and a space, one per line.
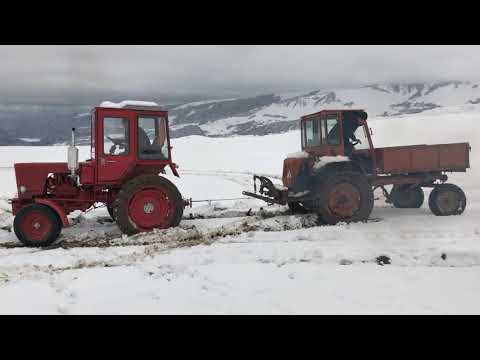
point(446, 200)
point(37, 225)
point(344, 196)
point(297, 207)
point(404, 197)
point(147, 202)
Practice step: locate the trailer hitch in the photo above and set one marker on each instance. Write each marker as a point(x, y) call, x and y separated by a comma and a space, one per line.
point(267, 187)
point(267, 191)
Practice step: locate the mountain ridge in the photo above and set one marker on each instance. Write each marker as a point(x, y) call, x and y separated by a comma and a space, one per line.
point(255, 115)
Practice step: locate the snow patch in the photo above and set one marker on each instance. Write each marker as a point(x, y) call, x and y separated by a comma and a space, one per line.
point(324, 160)
point(298, 155)
point(198, 103)
point(30, 140)
point(125, 103)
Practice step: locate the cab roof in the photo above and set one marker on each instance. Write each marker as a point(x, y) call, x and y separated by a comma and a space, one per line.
point(131, 105)
point(331, 111)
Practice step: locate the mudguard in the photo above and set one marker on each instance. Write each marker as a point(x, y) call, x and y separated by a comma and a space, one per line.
point(55, 207)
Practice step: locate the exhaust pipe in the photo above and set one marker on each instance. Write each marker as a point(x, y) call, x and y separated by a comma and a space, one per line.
point(73, 156)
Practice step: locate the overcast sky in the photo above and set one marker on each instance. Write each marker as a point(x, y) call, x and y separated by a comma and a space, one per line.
point(75, 74)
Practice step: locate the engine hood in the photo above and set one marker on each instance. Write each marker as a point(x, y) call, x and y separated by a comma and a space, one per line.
point(31, 177)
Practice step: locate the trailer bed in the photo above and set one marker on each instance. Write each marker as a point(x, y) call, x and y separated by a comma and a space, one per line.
point(423, 158)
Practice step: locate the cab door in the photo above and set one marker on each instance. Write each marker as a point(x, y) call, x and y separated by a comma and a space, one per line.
point(115, 144)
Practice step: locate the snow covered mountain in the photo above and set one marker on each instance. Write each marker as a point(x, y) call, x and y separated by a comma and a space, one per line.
point(269, 114)
point(38, 124)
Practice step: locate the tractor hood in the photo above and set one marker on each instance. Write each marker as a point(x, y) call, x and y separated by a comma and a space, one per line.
point(291, 169)
point(31, 177)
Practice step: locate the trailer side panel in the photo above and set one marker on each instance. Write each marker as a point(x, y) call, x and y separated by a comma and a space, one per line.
point(423, 158)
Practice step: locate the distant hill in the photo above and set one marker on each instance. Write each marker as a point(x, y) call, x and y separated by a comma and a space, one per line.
point(256, 115)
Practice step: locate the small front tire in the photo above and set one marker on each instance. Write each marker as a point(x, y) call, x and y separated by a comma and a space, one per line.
point(37, 225)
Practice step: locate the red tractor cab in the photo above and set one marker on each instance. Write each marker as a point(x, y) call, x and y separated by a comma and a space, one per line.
point(130, 148)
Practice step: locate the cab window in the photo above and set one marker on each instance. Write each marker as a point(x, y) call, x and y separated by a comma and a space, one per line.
point(115, 136)
point(332, 127)
point(312, 132)
point(152, 138)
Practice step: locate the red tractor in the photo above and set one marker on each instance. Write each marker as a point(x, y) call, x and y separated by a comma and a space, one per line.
point(336, 180)
point(130, 147)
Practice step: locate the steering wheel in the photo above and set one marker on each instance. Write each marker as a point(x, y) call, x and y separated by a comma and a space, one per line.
point(120, 143)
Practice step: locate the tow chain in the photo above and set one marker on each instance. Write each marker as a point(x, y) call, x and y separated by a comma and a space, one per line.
point(191, 201)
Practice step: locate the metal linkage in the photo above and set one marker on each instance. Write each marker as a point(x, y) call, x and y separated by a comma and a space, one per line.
point(189, 202)
point(229, 199)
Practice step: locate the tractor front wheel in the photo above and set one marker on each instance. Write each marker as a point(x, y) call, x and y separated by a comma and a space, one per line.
point(406, 197)
point(37, 225)
point(344, 196)
point(147, 202)
point(446, 200)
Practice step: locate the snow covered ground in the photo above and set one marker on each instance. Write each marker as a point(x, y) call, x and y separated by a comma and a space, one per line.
point(221, 261)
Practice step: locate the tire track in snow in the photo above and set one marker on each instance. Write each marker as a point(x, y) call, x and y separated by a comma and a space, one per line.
point(149, 245)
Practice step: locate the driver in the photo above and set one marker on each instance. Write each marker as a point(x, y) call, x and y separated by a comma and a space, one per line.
point(146, 148)
point(352, 121)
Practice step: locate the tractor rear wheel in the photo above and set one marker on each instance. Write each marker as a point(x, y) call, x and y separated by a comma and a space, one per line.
point(405, 197)
point(446, 200)
point(147, 202)
point(37, 225)
point(344, 196)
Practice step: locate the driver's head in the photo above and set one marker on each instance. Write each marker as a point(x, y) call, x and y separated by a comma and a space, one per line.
point(361, 117)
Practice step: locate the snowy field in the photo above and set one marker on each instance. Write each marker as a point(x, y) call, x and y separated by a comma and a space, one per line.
point(221, 261)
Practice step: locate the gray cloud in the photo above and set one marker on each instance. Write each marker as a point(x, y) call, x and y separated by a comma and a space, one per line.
point(80, 74)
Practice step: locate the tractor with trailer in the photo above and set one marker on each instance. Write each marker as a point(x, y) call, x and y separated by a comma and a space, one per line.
point(130, 148)
point(337, 180)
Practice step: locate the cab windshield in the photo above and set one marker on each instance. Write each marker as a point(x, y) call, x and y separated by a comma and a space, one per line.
point(152, 138)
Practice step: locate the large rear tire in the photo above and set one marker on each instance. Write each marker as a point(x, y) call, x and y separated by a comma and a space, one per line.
point(37, 225)
point(344, 196)
point(404, 197)
point(447, 200)
point(147, 202)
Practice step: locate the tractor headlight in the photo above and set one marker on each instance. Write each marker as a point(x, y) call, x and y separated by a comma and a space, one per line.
point(23, 189)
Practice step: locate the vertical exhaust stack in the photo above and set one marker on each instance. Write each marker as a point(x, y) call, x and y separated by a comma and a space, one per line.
point(73, 156)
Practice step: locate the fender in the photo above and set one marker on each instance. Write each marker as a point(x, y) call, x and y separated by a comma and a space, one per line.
point(174, 167)
point(55, 207)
